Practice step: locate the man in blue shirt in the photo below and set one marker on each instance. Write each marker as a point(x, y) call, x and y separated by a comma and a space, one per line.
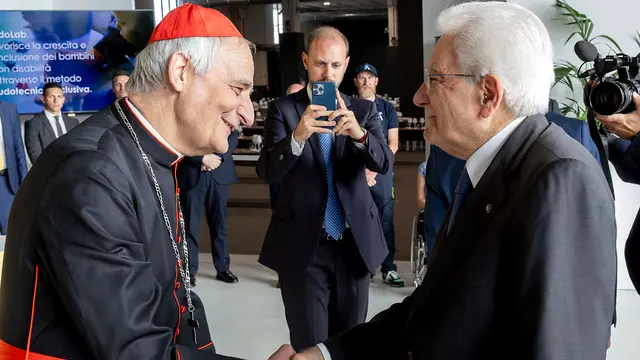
point(381, 186)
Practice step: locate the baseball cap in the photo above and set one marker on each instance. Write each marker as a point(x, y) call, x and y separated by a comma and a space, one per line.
point(367, 67)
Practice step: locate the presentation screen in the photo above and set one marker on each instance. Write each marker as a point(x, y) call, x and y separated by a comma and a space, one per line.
point(80, 50)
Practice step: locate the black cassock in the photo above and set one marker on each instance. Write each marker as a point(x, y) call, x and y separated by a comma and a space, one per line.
point(89, 268)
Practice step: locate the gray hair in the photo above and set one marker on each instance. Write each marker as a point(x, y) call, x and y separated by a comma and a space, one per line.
point(325, 32)
point(151, 63)
point(508, 41)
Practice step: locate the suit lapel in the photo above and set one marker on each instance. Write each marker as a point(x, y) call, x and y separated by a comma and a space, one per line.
point(68, 122)
point(47, 125)
point(301, 104)
point(483, 203)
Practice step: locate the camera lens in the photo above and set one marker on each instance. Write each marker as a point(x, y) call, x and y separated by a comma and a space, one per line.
point(611, 97)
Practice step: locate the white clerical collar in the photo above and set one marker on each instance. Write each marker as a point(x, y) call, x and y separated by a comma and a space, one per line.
point(151, 130)
point(480, 160)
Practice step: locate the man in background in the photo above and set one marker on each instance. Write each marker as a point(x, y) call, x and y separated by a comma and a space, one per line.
point(381, 186)
point(13, 164)
point(119, 84)
point(324, 239)
point(50, 124)
point(204, 189)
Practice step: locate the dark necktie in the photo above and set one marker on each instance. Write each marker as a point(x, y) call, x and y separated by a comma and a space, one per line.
point(463, 189)
point(334, 219)
point(58, 127)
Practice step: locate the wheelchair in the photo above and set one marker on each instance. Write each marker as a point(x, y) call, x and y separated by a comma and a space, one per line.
point(418, 249)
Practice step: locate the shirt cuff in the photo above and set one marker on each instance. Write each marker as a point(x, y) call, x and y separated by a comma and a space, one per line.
point(324, 351)
point(296, 148)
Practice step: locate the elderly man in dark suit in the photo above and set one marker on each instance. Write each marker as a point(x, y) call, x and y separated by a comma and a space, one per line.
point(13, 164)
point(444, 170)
point(50, 124)
point(325, 240)
point(524, 265)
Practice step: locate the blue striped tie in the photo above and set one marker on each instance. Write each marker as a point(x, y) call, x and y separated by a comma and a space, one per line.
point(463, 189)
point(334, 219)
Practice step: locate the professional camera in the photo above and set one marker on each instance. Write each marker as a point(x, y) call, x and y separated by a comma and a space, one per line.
point(608, 95)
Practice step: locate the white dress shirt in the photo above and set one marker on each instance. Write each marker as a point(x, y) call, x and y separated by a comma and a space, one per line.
point(476, 166)
point(52, 122)
point(3, 155)
point(480, 160)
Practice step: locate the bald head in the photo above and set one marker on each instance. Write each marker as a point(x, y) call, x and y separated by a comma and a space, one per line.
point(294, 88)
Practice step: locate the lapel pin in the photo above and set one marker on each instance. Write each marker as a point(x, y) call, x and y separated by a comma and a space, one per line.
point(488, 208)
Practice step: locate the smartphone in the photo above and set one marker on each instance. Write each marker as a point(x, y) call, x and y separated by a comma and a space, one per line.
point(324, 93)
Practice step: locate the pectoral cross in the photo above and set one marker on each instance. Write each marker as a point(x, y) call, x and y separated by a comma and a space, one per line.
point(194, 326)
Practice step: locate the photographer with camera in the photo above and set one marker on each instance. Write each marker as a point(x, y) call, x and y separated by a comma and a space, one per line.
point(624, 153)
point(615, 102)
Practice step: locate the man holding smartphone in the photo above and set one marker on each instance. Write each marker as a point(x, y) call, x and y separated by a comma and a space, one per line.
point(325, 240)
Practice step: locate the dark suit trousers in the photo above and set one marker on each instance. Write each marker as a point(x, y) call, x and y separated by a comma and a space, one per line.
point(385, 204)
point(6, 199)
point(211, 197)
point(331, 296)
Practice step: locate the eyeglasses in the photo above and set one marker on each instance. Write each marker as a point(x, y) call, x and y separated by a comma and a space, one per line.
point(428, 76)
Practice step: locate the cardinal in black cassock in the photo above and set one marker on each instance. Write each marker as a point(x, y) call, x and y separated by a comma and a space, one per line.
point(95, 258)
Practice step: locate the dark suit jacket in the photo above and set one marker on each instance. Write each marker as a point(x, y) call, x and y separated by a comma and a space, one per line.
point(296, 222)
point(189, 169)
point(13, 146)
point(443, 172)
point(38, 133)
point(527, 272)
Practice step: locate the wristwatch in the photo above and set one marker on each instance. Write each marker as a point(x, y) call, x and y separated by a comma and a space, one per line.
point(363, 139)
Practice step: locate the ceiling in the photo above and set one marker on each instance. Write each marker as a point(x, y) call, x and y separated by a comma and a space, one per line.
point(315, 10)
point(342, 5)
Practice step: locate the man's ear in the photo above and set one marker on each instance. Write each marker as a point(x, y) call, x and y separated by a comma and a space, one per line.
point(492, 94)
point(305, 60)
point(178, 71)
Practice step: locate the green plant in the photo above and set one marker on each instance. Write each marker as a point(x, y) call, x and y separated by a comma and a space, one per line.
point(566, 73)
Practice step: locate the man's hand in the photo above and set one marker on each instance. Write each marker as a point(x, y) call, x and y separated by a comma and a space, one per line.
point(311, 354)
point(348, 124)
point(210, 162)
point(624, 125)
point(285, 352)
point(371, 177)
point(308, 124)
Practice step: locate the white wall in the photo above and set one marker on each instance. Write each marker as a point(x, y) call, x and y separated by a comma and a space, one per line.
point(618, 19)
point(67, 5)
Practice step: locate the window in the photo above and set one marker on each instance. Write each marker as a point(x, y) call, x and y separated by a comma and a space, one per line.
point(278, 26)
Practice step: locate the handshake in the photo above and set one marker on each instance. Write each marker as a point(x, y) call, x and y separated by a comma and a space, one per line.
point(286, 352)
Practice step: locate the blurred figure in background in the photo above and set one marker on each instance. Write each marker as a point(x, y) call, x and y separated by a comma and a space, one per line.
point(50, 124)
point(13, 163)
point(381, 186)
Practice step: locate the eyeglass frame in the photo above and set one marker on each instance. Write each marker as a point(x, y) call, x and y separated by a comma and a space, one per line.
point(427, 75)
